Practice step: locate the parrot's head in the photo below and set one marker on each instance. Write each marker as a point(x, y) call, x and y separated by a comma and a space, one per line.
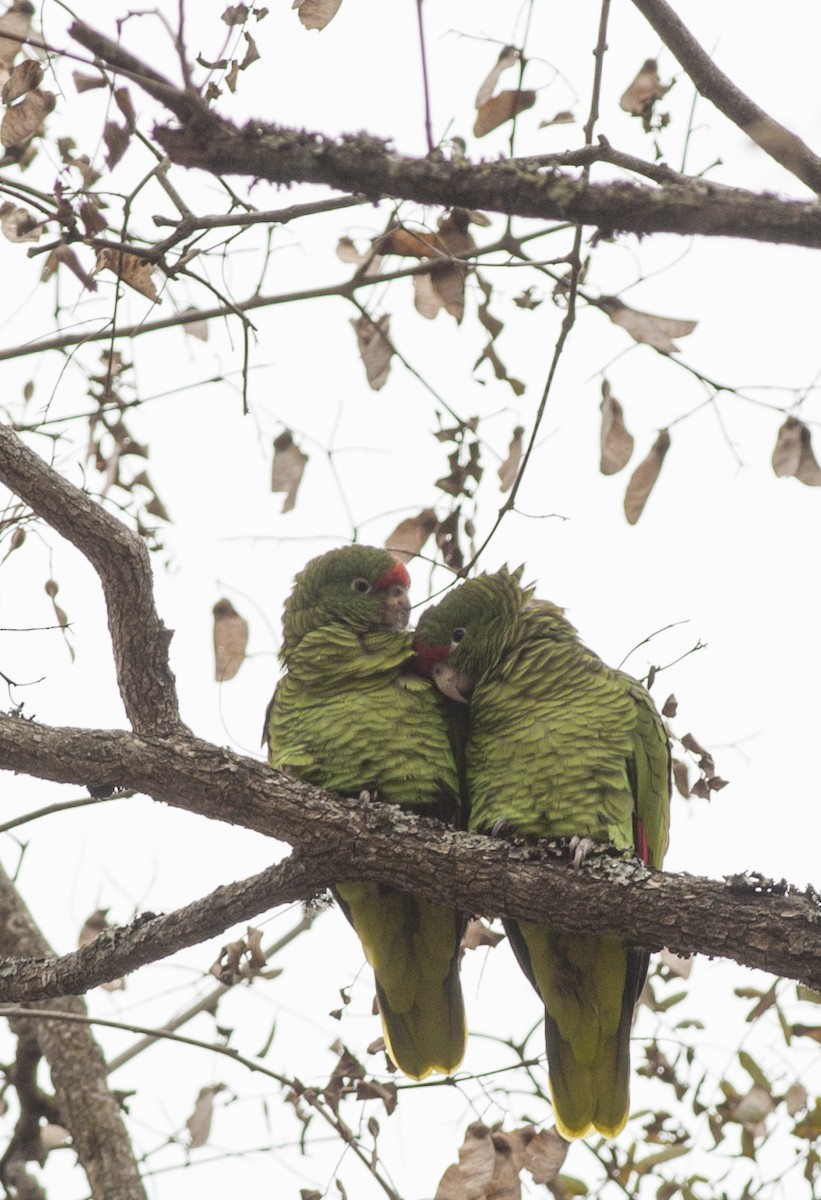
point(469, 632)
point(360, 587)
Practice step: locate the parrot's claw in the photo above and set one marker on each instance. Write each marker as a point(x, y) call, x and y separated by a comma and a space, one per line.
point(580, 847)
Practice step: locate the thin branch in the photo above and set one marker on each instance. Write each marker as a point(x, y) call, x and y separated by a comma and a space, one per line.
point(753, 921)
point(785, 147)
point(139, 638)
point(119, 950)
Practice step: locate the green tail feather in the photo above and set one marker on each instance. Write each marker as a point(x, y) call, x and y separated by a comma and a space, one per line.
point(413, 947)
point(589, 985)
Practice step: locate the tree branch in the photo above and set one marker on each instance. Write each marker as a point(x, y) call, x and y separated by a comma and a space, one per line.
point(78, 1071)
point(785, 147)
point(139, 638)
point(121, 949)
point(367, 166)
point(756, 923)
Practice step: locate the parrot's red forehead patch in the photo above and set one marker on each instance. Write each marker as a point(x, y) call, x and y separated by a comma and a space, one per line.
point(428, 656)
point(393, 576)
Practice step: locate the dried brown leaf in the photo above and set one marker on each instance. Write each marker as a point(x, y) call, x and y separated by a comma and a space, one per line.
point(375, 349)
point(16, 22)
point(681, 778)
point(18, 224)
point(448, 284)
point(199, 1123)
point(65, 255)
point(288, 468)
point(526, 299)
point(426, 299)
point(508, 57)
point(705, 758)
point(251, 54)
point(793, 453)
point(230, 640)
point(510, 467)
point(498, 109)
point(477, 1160)
point(643, 479)
point(648, 328)
point(132, 270)
point(26, 76)
point(478, 933)
point(235, 14)
point(499, 369)
point(315, 14)
point(670, 706)
point(644, 91)
point(87, 83)
point(370, 1089)
point(122, 98)
point(795, 1098)
point(565, 117)
point(411, 534)
point(447, 539)
point(93, 926)
point(542, 1153)
point(24, 119)
point(616, 441)
point(196, 329)
point(116, 138)
point(90, 215)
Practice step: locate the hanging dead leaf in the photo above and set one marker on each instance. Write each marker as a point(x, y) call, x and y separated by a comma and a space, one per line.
point(199, 1123)
point(643, 479)
point(196, 329)
point(16, 23)
point(616, 441)
point(132, 270)
point(542, 1153)
point(315, 14)
point(510, 467)
point(24, 119)
point(232, 76)
point(235, 14)
point(752, 1110)
point(87, 83)
point(93, 926)
point(508, 57)
point(230, 640)
point(26, 76)
point(654, 331)
point(644, 91)
point(498, 109)
point(478, 933)
point(526, 299)
point(447, 281)
point(447, 539)
point(375, 349)
point(681, 778)
point(370, 1089)
point(565, 117)
point(705, 758)
point(795, 1098)
point(670, 706)
point(499, 369)
point(91, 216)
point(116, 138)
point(793, 453)
point(65, 255)
point(411, 534)
point(18, 224)
point(288, 468)
point(252, 54)
point(477, 1159)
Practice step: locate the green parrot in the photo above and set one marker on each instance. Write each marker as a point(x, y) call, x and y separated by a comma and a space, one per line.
point(350, 714)
point(560, 745)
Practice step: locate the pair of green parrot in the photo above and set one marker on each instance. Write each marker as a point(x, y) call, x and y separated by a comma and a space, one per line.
point(529, 733)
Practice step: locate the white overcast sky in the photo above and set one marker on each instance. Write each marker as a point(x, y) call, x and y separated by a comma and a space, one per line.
point(724, 549)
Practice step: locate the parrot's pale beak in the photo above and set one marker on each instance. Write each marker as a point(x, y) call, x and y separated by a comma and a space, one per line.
point(396, 608)
point(454, 684)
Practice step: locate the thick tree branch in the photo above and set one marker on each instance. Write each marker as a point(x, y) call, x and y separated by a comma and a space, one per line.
point(78, 1071)
point(139, 638)
point(750, 921)
point(368, 166)
point(121, 949)
point(782, 145)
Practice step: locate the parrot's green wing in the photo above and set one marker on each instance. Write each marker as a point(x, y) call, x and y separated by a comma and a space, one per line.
point(350, 716)
point(560, 745)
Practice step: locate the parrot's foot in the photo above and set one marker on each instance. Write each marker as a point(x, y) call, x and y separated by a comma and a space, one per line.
point(503, 828)
point(580, 847)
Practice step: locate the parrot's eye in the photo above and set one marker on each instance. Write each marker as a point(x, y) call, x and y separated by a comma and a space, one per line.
point(362, 586)
point(457, 635)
